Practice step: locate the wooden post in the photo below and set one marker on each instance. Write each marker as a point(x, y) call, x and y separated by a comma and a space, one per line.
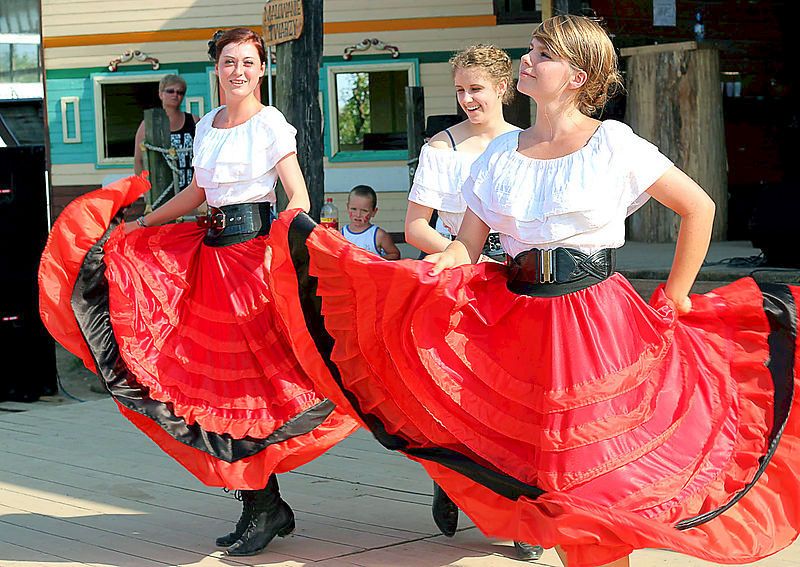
point(156, 133)
point(415, 126)
point(297, 88)
point(674, 101)
point(547, 9)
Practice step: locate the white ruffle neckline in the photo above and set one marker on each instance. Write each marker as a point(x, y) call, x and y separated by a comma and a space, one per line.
point(244, 152)
point(550, 200)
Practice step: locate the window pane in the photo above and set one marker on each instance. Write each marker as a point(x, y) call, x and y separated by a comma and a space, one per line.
point(19, 16)
point(372, 110)
point(517, 11)
point(25, 63)
point(5, 62)
point(124, 106)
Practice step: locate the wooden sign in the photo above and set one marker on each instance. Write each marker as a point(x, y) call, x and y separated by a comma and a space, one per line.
point(283, 21)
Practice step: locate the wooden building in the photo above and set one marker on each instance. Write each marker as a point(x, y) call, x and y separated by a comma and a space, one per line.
point(93, 112)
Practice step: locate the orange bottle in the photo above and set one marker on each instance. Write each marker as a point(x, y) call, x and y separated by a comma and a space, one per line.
point(329, 216)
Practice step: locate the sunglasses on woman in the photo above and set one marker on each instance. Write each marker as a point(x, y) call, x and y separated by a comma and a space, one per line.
point(170, 90)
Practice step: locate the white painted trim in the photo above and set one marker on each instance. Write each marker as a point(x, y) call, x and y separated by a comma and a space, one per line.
point(99, 116)
point(26, 38)
point(332, 70)
point(75, 101)
point(198, 101)
point(213, 88)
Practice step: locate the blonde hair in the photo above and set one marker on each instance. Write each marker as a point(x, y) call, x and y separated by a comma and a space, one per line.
point(585, 45)
point(168, 80)
point(492, 61)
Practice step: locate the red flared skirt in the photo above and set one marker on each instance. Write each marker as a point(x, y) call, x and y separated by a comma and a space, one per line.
point(592, 420)
point(186, 339)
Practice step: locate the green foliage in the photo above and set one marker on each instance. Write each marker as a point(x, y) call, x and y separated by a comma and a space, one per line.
point(354, 107)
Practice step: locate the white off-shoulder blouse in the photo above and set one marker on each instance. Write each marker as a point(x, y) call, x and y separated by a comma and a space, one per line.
point(237, 165)
point(577, 201)
point(437, 183)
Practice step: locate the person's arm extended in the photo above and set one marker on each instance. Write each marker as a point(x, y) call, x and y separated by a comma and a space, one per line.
point(181, 204)
point(679, 192)
point(293, 183)
point(419, 233)
point(385, 243)
point(138, 158)
point(466, 248)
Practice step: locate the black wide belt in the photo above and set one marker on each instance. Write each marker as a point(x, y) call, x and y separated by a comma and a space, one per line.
point(231, 224)
point(550, 273)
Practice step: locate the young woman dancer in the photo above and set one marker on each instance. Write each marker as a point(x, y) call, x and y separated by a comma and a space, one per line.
point(549, 401)
point(483, 79)
point(179, 320)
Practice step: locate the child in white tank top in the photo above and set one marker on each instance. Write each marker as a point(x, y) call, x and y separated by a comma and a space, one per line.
point(362, 205)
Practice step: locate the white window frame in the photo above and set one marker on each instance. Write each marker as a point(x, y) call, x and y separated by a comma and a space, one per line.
point(213, 88)
point(75, 102)
point(331, 70)
point(99, 115)
point(197, 101)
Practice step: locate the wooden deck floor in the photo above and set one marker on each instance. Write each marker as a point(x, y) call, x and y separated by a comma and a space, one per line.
point(80, 486)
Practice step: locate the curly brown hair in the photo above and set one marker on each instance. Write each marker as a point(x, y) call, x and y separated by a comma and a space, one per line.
point(492, 61)
point(584, 43)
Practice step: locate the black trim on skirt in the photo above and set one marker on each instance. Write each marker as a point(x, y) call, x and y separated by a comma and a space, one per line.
point(779, 307)
point(311, 305)
point(781, 312)
point(90, 303)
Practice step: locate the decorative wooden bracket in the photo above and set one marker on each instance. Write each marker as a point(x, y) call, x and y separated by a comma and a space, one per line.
point(368, 43)
point(130, 55)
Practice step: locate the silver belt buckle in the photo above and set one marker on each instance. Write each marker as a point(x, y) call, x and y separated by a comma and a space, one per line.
point(547, 267)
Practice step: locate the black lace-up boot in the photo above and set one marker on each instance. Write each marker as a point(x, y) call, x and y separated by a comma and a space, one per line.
point(528, 552)
point(445, 511)
point(246, 497)
point(270, 517)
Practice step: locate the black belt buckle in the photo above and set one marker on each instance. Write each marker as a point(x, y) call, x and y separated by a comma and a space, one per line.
point(493, 247)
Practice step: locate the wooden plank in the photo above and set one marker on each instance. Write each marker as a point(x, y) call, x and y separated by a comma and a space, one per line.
point(660, 48)
point(15, 555)
point(29, 533)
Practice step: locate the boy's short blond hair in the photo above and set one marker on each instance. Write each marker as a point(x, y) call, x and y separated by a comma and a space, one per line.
point(364, 191)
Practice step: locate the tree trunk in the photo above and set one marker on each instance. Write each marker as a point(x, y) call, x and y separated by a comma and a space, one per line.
point(296, 95)
point(675, 102)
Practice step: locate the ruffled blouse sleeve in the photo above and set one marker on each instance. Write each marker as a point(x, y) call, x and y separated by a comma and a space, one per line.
point(438, 179)
point(639, 163)
point(245, 152)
